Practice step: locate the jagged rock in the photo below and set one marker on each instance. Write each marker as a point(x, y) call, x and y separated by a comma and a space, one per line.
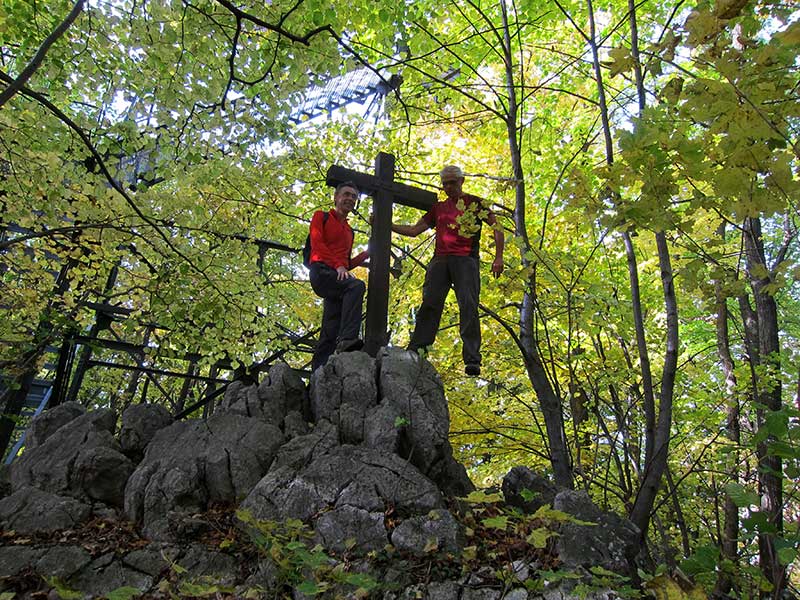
point(76, 461)
point(435, 590)
point(14, 559)
point(105, 574)
point(152, 559)
point(611, 543)
point(295, 425)
point(140, 423)
point(343, 391)
point(300, 451)
point(565, 592)
point(345, 527)
point(443, 590)
point(480, 593)
point(29, 510)
point(50, 421)
point(202, 562)
point(102, 474)
point(192, 463)
point(282, 392)
point(413, 420)
point(241, 398)
point(438, 530)
point(542, 491)
point(347, 476)
point(62, 561)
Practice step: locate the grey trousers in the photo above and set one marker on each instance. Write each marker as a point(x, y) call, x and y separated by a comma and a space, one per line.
point(341, 309)
point(463, 275)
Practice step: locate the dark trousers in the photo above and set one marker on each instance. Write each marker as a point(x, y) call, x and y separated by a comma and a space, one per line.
point(462, 274)
point(341, 309)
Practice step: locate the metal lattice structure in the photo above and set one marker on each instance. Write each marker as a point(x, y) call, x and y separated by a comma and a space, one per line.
point(355, 87)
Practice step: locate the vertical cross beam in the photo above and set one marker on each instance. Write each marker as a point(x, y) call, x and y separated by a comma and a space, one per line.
point(376, 327)
point(385, 192)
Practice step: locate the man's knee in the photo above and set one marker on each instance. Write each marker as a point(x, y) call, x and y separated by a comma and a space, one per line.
point(356, 286)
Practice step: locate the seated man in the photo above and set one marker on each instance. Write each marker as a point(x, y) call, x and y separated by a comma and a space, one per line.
point(457, 221)
point(343, 294)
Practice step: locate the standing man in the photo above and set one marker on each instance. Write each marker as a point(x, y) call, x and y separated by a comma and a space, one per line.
point(342, 293)
point(457, 221)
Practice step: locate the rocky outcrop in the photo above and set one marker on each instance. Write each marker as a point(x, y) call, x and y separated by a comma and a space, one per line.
point(344, 494)
point(360, 464)
point(610, 542)
point(192, 464)
point(80, 459)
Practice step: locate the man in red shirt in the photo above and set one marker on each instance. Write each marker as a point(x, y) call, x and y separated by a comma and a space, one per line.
point(457, 221)
point(331, 279)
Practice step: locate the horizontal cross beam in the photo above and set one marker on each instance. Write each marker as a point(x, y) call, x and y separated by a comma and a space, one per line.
point(371, 185)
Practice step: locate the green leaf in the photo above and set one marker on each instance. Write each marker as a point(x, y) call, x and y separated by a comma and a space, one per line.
point(481, 497)
point(786, 556)
point(64, 592)
point(704, 560)
point(621, 60)
point(499, 522)
point(741, 496)
point(124, 593)
point(538, 537)
point(310, 588)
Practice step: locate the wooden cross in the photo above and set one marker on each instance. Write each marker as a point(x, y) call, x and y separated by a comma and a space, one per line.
point(385, 192)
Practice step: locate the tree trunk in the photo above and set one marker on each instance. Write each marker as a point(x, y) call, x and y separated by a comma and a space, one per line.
point(654, 469)
point(730, 529)
point(770, 480)
point(542, 386)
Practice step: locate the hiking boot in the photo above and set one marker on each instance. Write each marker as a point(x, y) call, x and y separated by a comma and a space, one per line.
point(350, 345)
point(472, 370)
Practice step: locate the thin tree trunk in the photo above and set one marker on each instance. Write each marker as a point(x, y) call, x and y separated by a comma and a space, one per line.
point(770, 479)
point(542, 386)
point(730, 529)
point(655, 468)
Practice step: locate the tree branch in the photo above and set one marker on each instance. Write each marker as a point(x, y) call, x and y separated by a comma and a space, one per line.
point(16, 85)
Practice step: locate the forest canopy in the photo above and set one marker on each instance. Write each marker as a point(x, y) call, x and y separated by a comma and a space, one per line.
point(157, 180)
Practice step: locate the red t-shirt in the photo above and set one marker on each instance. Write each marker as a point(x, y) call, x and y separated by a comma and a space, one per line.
point(332, 241)
point(458, 230)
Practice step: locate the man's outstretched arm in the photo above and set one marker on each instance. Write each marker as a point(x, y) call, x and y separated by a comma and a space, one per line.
point(411, 230)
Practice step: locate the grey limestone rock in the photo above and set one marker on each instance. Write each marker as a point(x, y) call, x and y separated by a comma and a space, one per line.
point(611, 543)
point(104, 574)
point(437, 528)
point(50, 421)
point(541, 490)
point(140, 422)
point(14, 559)
point(414, 404)
point(280, 393)
point(343, 391)
point(192, 463)
point(29, 510)
point(102, 474)
point(81, 460)
point(299, 451)
point(346, 527)
point(360, 478)
point(62, 561)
